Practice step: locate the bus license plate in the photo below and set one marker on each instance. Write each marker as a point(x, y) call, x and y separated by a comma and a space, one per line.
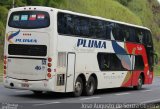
point(25, 85)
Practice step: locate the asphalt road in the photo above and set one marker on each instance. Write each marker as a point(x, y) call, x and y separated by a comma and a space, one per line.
point(23, 99)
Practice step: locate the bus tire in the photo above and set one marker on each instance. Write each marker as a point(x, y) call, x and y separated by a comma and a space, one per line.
point(78, 87)
point(140, 83)
point(90, 86)
point(37, 92)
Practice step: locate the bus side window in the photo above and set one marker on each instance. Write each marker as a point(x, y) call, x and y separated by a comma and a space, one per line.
point(65, 24)
point(115, 31)
point(139, 64)
point(70, 24)
point(104, 61)
point(149, 38)
point(145, 39)
point(139, 35)
point(78, 26)
point(94, 28)
point(109, 62)
point(101, 29)
point(61, 23)
point(81, 26)
point(84, 27)
point(108, 30)
point(122, 33)
point(130, 34)
point(126, 33)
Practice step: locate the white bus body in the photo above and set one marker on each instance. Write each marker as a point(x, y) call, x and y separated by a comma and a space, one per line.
point(68, 57)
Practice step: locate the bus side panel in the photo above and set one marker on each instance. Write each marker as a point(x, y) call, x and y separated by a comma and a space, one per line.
point(128, 79)
point(135, 77)
point(139, 49)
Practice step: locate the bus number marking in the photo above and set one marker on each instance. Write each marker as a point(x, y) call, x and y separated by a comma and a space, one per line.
point(43, 62)
point(38, 68)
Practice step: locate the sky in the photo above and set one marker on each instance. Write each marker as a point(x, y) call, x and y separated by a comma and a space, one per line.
point(159, 1)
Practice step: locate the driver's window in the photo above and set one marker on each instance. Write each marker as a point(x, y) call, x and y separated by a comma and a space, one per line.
point(149, 38)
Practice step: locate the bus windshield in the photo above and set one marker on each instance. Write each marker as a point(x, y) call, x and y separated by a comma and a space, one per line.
point(29, 19)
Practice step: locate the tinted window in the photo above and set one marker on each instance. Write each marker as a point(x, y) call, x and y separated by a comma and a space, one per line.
point(118, 32)
point(148, 38)
point(149, 49)
point(83, 26)
point(29, 19)
point(99, 29)
point(65, 24)
point(113, 62)
point(27, 50)
point(140, 35)
point(129, 34)
point(139, 64)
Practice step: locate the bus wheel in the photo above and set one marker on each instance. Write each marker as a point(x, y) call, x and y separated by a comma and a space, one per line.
point(140, 83)
point(90, 87)
point(78, 87)
point(37, 92)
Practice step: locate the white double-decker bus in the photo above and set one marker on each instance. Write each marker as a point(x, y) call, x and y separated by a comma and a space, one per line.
point(48, 49)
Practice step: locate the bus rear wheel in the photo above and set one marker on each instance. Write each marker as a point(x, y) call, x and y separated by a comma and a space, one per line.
point(78, 87)
point(90, 87)
point(140, 83)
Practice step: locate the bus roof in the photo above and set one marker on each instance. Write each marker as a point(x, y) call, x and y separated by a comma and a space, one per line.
point(75, 13)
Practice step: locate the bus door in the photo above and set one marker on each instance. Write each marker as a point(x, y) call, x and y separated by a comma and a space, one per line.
point(70, 72)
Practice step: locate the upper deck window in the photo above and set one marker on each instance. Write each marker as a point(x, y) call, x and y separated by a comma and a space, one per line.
point(29, 19)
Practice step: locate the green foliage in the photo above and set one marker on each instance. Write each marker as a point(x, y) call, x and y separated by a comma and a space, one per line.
point(2, 30)
point(37, 2)
point(8, 3)
point(3, 14)
point(106, 8)
point(50, 3)
point(142, 9)
point(53, 3)
point(157, 70)
point(1, 69)
point(124, 2)
point(19, 3)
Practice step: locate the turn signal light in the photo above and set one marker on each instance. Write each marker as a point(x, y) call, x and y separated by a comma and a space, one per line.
point(5, 67)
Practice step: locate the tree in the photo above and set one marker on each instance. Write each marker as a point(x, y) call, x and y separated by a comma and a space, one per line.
point(3, 14)
point(51, 3)
point(29, 2)
point(2, 30)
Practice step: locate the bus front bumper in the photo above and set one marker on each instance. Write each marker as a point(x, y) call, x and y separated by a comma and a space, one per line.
point(42, 85)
